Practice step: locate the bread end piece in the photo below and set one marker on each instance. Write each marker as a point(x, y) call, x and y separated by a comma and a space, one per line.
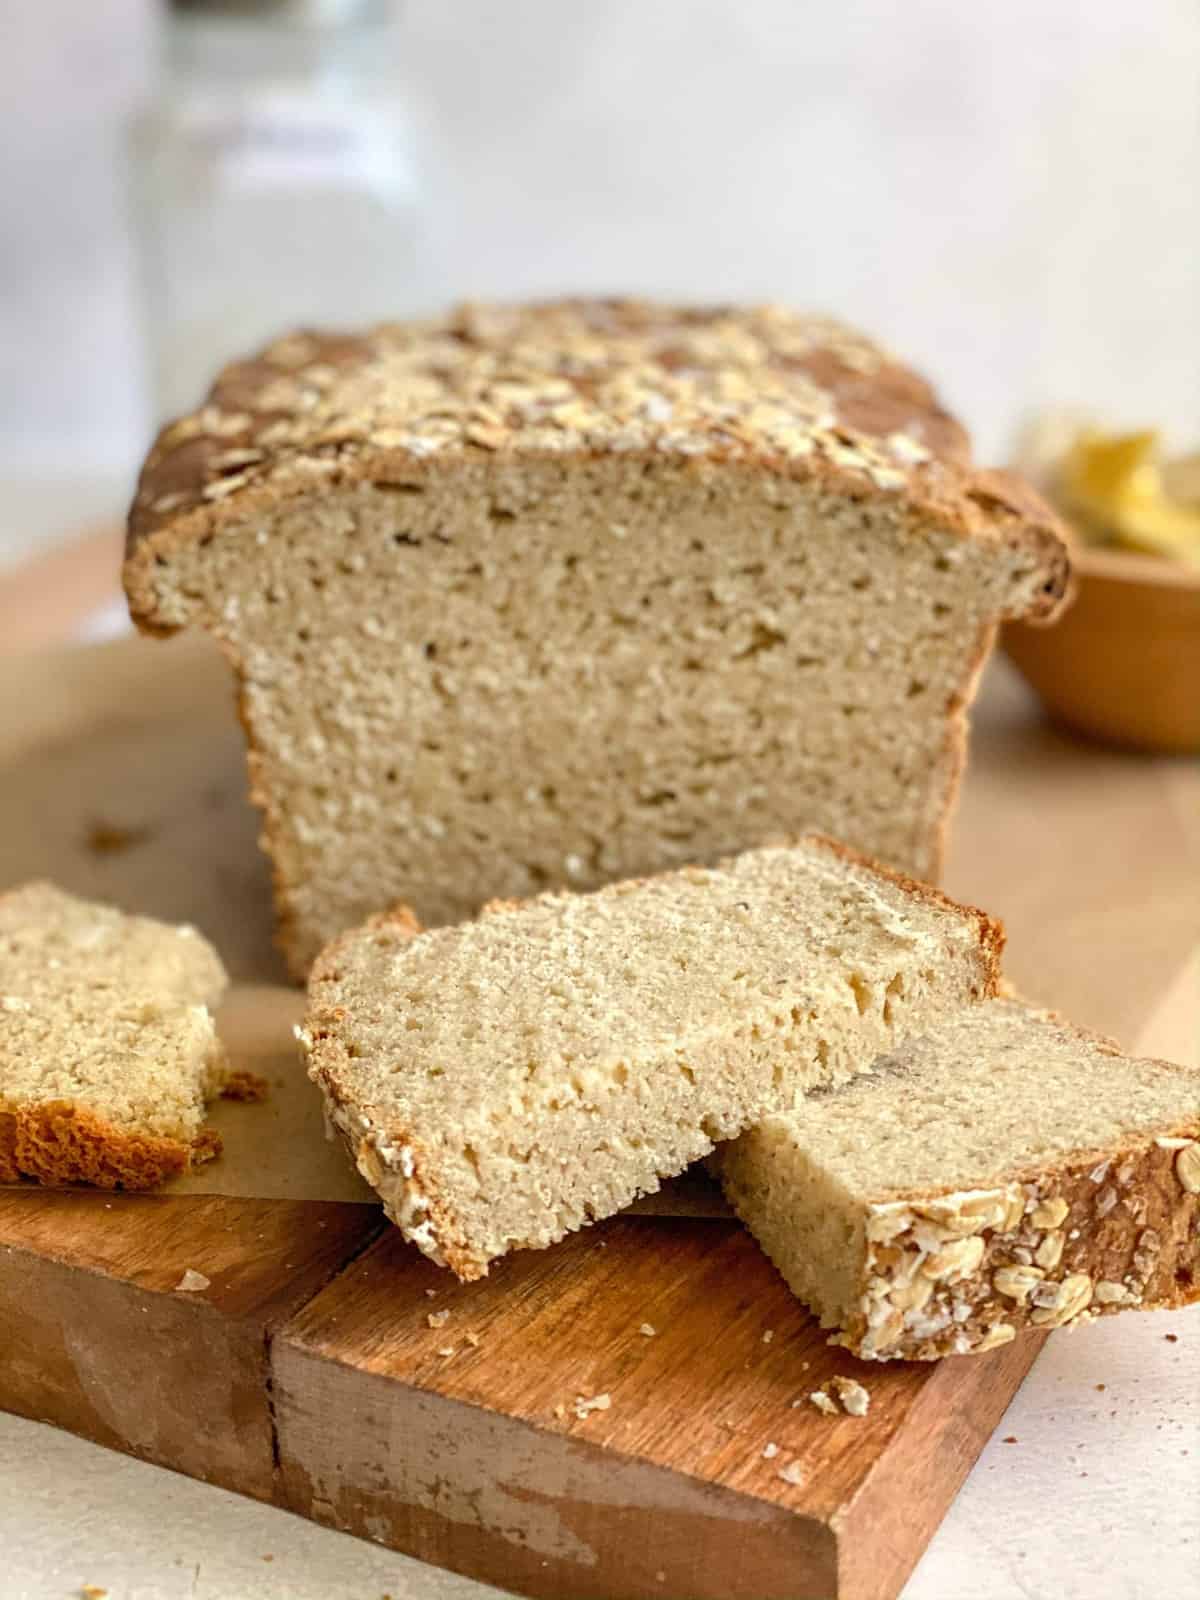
point(1089, 1205)
point(60, 1142)
point(108, 1049)
point(1100, 1236)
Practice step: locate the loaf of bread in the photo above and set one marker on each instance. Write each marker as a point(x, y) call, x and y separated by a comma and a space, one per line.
point(504, 1081)
point(1007, 1172)
point(107, 1047)
point(559, 594)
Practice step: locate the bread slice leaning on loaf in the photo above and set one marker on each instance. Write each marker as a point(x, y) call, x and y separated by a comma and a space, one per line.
point(504, 1081)
point(552, 595)
point(1009, 1171)
point(108, 1051)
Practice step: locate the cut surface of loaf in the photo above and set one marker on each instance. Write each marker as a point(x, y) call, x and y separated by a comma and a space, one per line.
point(1009, 1171)
point(560, 594)
point(504, 1081)
point(107, 1047)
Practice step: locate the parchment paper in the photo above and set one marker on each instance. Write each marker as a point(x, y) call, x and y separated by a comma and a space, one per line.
point(278, 1150)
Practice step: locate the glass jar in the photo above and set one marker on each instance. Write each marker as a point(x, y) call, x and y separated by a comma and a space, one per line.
point(275, 182)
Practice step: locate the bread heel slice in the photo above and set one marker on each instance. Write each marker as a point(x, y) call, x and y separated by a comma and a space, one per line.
point(1007, 1172)
point(108, 1050)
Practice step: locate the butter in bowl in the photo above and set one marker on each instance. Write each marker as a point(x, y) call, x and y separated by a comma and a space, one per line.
point(1123, 664)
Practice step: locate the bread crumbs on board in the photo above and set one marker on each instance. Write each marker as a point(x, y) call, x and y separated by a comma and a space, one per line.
point(855, 1397)
point(192, 1282)
point(585, 1405)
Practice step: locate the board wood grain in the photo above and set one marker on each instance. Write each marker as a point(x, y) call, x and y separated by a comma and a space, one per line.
point(97, 1336)
point(461, 1442)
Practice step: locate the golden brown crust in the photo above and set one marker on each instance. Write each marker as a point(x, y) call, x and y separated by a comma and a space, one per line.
point(991, 929)
point(758, 387)
point(954, 748)
point(400, 917)
point(443, 1224)
point(1129, 1239)
point(58, 1142)
point(1129, 1225)
point(259, 795)
point(330, 1067)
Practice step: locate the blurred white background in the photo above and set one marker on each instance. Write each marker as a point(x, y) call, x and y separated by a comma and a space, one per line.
point(1008, 195)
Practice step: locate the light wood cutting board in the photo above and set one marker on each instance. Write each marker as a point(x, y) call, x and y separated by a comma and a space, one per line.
point(306, 1370)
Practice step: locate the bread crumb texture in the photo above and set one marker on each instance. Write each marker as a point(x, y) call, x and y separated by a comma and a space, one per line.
point(556, 595)
point(585, 1405)
point(854, 1398)
point(108, 1051)
point(1006, 1172)
point(510, 1079)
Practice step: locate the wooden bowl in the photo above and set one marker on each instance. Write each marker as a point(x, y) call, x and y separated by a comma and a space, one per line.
point(1123, 664)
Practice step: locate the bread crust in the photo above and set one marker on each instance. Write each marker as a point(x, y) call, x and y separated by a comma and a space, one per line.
point(377, 1152)
point(59, 1142)
point(400, 403)
point(1137, 1240)
point(63, 1140)
point(991, 930)
point(1105, 1227)
point(954, 747)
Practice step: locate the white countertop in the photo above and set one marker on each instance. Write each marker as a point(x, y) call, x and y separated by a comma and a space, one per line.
point(1098, 1498)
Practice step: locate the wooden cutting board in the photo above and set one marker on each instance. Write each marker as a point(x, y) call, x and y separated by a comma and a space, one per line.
point(305, 1371)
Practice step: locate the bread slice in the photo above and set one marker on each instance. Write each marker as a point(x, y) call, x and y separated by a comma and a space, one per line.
point(107, 1048)
point(505, 1081)
point(1008, 1171)
point(561, 594)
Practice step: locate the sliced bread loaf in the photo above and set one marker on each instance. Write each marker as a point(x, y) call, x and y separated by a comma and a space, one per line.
point(560, 594)
point(502, 1082)
point(107, 1047)
point(1008, 1171)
